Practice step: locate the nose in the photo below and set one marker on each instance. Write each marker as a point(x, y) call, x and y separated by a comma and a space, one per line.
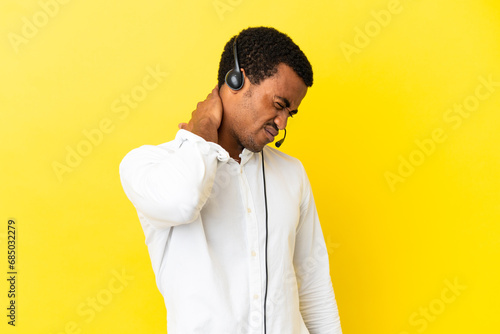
point(281, 120)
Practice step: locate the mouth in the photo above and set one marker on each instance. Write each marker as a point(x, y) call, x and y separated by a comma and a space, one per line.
point(270, 133)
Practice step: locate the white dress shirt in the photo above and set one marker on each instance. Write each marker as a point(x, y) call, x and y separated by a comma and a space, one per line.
point(203, 216)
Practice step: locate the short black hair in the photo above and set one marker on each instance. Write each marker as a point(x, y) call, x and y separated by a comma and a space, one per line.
point(260, 51)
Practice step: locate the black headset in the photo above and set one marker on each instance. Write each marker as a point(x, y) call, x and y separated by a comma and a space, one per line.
point(234, 77)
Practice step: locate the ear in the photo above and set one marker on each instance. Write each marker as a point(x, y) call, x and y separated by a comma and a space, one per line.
point(244, 76)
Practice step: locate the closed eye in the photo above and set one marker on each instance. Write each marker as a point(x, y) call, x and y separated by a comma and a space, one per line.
point(279, 106)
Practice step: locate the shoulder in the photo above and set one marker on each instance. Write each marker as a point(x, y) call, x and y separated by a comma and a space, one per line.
point(284, 162)
point(273, 153)
point(147, 153)
point(166, 147)
point(289, 175)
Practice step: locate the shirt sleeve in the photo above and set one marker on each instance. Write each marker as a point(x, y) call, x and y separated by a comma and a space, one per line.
point(317, 299)
point(170, 183)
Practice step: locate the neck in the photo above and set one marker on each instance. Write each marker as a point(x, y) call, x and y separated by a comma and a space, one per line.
point(229, 142)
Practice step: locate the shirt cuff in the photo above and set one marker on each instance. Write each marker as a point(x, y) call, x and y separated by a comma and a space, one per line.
point(205, 146)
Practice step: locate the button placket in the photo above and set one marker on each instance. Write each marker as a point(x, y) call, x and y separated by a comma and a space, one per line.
point(255, 279)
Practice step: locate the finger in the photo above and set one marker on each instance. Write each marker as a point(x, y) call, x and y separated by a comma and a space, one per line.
point(215, 91)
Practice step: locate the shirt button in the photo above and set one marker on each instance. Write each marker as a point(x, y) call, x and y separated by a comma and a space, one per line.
point(255, 296)
point(249, 210)
point(253, 253)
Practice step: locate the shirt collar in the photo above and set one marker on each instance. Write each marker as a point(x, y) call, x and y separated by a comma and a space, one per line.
point(245, 156)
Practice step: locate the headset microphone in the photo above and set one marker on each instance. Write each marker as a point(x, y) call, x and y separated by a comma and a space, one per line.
point(279, 142)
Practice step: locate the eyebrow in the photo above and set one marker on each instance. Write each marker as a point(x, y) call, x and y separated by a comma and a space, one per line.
point(287, 104)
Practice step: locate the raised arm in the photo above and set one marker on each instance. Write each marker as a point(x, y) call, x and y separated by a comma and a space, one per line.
point(170, 183)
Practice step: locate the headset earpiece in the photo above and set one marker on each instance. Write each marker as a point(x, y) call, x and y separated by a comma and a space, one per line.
point(234, 77)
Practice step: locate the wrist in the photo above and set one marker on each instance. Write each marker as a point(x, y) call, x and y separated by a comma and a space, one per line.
point(207, 130)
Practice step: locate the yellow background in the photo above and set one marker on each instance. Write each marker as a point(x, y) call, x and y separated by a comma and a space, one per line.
point(394, 247)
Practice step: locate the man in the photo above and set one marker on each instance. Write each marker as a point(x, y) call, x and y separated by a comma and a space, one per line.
point(230, 223)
